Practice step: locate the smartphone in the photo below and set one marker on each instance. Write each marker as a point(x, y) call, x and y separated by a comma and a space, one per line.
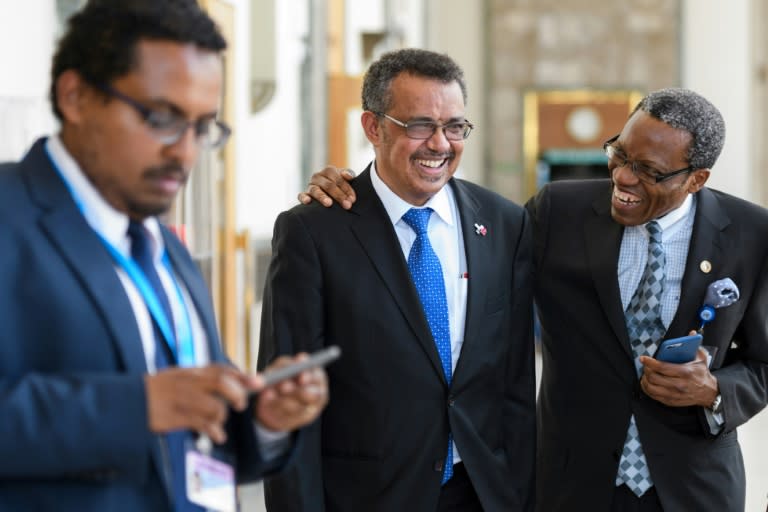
point(320, 358)
point(679, 350)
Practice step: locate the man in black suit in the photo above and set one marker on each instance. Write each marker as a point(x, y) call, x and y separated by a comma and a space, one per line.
point(110, 362)
point(429, 413)
point(591, 248)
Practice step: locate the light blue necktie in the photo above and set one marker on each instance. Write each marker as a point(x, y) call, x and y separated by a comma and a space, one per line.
point(427, 275)
point(645, 329)
point(141, 252)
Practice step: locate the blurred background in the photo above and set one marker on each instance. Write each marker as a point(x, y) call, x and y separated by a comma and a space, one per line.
point(548, 82)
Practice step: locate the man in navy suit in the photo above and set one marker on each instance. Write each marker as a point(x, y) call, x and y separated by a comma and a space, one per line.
point(111, 371)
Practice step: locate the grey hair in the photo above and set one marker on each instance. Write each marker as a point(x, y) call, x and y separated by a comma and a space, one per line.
point(376, 93)
point(689, 111)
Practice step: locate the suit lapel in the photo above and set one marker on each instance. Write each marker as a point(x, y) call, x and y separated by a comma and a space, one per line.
point(706, 244)
point(478, 266)
point(84, 252)
point(603, 241)
point(376, 235)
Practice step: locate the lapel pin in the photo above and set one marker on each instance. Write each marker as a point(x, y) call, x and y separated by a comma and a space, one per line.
point(705, 266)
point(480, 229)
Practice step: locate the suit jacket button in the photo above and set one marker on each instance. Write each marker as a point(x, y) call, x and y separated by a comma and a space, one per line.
point(451, 401)
point(438, 466)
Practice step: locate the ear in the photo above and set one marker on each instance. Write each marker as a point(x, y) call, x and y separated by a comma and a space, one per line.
point(71, 90)
point(371, 127)
point(697, 180)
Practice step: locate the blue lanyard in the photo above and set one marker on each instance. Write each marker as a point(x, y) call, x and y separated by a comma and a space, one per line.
point(178, 336)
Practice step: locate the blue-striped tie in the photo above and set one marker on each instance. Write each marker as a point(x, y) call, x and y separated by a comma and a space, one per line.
point(141, 252)
point(427, 275)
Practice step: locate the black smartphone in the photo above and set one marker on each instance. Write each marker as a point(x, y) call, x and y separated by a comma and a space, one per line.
point(320, 358)
point(679, 350)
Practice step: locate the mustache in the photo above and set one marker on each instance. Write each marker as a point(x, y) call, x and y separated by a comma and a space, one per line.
point(434, 154)
point(171, 170)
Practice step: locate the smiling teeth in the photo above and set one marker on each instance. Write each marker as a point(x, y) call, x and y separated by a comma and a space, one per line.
point(431, 163)
point(625, 199)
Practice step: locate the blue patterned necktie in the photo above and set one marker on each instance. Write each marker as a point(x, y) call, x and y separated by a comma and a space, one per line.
point(427, 275)
point(645, 329)
point(141, 252)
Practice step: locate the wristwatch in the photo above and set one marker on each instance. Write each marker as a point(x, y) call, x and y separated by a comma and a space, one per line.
point(717, 404)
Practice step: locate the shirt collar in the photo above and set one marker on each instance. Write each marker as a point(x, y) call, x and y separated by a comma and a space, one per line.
point(396, 206)
point(676, 215)
point(109, 223)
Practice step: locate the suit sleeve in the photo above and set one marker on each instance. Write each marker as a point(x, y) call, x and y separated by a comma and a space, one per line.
point(520, 403)
point(538, 208)
point(79, 426)
point(293, 321)
point(57, 423)
point(743, 378)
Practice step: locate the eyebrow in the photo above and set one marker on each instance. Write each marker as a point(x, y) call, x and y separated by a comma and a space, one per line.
point(159, 103)
point(425, 119)
point(648, 163)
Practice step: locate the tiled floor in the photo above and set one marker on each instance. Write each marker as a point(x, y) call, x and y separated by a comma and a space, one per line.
point(754, 443)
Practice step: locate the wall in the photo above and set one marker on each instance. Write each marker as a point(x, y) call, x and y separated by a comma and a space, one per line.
point(631, 44)
point(717, 63)
point(25, 55)
point(457, 27)
point(268, 152)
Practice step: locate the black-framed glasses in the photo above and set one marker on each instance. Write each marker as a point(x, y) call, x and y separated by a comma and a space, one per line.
point(421, 130)
point(169, 127)
point(646, 173)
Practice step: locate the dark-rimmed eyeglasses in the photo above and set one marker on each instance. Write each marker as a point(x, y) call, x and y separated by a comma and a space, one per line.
point(421, 130)
point(169, 127)
point(646, 173)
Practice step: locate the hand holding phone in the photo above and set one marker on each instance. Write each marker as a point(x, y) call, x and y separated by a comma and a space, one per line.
point(679, 350)
point(320, 358)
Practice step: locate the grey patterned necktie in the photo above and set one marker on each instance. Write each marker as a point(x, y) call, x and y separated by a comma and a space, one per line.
point(645, 329)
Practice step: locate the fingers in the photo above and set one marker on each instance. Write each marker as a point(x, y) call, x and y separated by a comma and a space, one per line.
point(702, 355)
point(329, 185)
point(293, 403)
point(678, 385)
point(195, 398)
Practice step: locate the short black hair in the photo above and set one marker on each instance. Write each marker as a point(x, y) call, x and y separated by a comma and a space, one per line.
point(689, 111)
point(100, 40)
point(377, 96)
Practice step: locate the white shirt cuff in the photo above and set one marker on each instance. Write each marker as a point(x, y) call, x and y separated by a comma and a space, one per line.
point(714, 420)
point(273, 444)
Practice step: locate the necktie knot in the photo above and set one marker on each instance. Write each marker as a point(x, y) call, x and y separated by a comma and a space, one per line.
point(418, 219)
point(140, 247)
point(654, 232)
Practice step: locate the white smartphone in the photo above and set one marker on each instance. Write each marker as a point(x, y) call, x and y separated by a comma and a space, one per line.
point(320, 358)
